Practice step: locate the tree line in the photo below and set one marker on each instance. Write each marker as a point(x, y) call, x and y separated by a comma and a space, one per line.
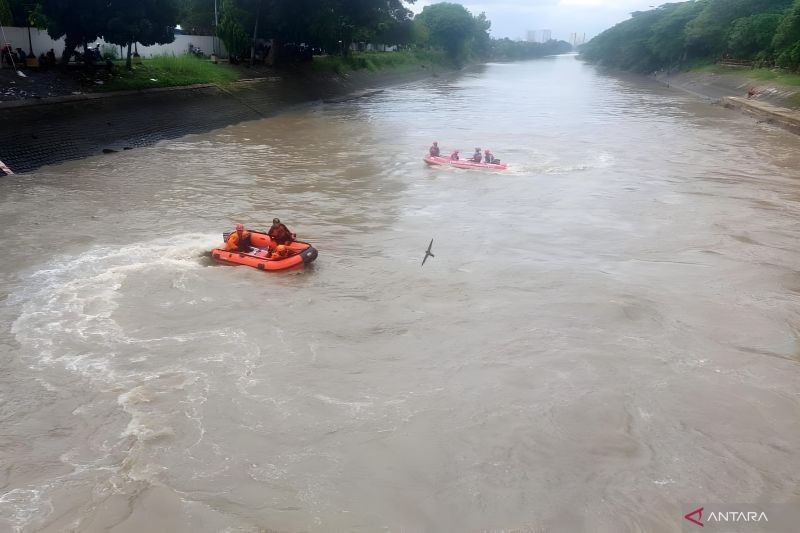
point(680, 34)
point(328, 25)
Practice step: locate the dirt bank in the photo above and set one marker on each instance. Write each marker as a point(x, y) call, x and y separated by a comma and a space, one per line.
point(50, 130)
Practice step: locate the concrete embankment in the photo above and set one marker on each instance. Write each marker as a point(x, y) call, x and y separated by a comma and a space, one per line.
point(788, 119)
point(47, 131)
point(772, 102)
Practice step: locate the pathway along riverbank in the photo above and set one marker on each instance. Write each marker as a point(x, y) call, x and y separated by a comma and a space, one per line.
point(49, 131)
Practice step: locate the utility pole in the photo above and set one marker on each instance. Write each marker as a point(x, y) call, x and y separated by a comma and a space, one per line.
point(255, 33)
point(216, 22)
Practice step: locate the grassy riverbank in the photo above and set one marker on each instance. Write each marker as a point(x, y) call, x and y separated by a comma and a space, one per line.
point(186, 70)
point(779, 76)
point(374, 61)
point(170, 71)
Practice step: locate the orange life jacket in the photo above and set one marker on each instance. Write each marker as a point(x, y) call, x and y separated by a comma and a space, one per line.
point(237, 244)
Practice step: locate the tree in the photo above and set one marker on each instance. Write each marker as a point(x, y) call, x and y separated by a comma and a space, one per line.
point(508, 50)
point(787, 38)
point(626, 45)
point(677, 33)
point(78, 21)
point(6, 18)
point(481, 42)
point(707, 34)
point(143, 21)
point(231, 27)
point(452, 28)
point(197, 17)
point(667, 41)
point(752, 36)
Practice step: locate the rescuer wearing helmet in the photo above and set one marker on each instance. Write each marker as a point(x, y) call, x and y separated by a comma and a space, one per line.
point(434, 151)
point(279, 233)
point(477, 157)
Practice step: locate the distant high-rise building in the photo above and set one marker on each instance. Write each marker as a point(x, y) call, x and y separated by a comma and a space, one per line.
point(539, 36)
point(577, 39)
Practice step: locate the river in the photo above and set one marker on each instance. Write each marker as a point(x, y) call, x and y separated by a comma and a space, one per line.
point(607, 334)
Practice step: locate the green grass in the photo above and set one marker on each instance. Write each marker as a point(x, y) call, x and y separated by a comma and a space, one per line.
point(374, 61)
point(169, 71)
point(782, 77)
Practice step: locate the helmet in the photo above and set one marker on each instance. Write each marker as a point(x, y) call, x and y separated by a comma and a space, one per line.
point(276, 221)
point(239, 227)
point(477, 149)
point(435, 142)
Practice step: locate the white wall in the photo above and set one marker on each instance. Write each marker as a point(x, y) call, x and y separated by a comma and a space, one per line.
point(18, 37)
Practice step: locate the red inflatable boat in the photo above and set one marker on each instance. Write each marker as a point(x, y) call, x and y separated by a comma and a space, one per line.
point(463, 163)
point(261, 254)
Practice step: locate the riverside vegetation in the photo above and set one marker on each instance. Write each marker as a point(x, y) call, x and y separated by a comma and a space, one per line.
point(445, 34)
point(686, 35)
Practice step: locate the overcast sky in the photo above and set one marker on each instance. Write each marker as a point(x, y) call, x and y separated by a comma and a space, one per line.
point(513, 18)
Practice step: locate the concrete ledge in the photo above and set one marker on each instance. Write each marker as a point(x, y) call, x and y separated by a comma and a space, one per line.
point(50, 130)
point(788, 119)
point(13, 104)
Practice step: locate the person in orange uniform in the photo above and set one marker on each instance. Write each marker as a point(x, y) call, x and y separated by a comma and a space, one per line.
point(281, 252)
point(279, 233)
point(239, 240)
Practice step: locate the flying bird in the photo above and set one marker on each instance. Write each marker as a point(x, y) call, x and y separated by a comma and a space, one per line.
point(428, 253)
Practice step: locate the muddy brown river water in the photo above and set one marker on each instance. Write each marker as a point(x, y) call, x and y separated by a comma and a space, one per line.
point(608, 332)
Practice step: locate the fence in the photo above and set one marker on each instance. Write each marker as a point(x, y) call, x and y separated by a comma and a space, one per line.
point(735, 63)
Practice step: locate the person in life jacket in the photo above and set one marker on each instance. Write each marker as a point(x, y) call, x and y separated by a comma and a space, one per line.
point(279, 233)
point(454, 156)
point(239, 240)
point(434, 150)
point(281, 251)
point(489, 157)
point(476, 157)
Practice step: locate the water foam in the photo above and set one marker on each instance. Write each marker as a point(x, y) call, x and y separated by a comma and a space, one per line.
point(66, 320)
point(67, 306)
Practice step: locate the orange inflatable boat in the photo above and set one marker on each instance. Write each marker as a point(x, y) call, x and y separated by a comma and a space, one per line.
point(261, 254)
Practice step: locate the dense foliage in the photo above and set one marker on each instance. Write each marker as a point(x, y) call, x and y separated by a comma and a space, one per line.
point(119, 21)
point(332, 26)
point(508, 50)
point(451, 28)
point(678, 34)
point(144, 21)
point(6, 17)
